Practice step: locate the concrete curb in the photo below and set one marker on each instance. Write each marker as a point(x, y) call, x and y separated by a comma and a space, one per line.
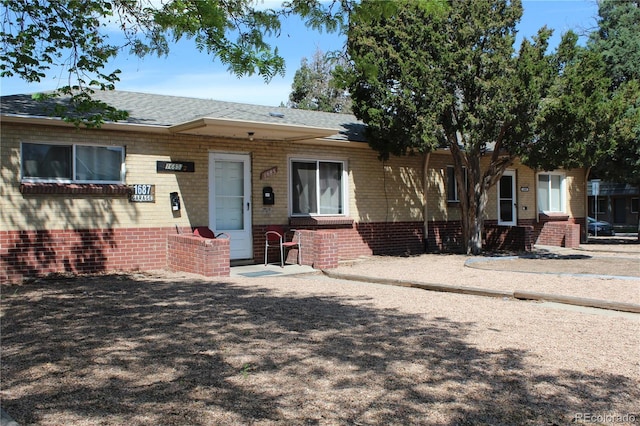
point(470, 263)
point(578, 301)
point(516, 294)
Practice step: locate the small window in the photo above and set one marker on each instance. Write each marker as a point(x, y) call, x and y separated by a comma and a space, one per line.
point(72, 163)
point(452, 184)
point(600, 206)
point(551, 193)
point(318, 187)
point(634, 205)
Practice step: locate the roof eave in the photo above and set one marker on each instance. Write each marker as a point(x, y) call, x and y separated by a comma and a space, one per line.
point(238, 129)
point(243, 129)
point(56, 121)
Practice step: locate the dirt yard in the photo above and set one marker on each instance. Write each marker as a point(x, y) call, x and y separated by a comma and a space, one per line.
point(149, 349)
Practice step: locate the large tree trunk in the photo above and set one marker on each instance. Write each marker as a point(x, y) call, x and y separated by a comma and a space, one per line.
point(465, 215)
point(476, 221)
point(473, 191)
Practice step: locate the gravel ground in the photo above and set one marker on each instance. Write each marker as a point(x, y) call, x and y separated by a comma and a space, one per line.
point(497, 274)
point(149, 349)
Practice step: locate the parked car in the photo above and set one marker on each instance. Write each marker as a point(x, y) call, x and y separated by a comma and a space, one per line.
point(603, 228)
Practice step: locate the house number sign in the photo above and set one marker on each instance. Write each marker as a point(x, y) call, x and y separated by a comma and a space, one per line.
point(142, 193)
point(269, 172)
point(175, 166)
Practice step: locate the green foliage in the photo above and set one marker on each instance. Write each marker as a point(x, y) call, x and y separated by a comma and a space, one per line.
point(433, 76)
point(591, 117)
point(39, 36)
point(618, 41)
point(575, 119)
point(314, 87)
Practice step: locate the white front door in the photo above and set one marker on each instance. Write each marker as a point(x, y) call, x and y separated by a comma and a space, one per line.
point(230, 200)
point(507, 208)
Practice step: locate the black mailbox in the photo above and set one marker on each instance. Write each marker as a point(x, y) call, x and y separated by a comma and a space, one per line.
point(268, 198)
point(175, 201)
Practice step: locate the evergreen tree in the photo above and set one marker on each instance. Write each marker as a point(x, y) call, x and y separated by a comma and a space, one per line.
point(314, 87)
point(445, 74)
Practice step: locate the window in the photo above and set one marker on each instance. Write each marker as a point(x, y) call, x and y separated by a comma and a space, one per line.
point(551, 193)
point(634, 205)
point(72, 163)
point(601, 205)
point(452, 184)
point(318, 187)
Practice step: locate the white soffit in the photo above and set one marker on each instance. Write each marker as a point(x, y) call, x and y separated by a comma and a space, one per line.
point(240, 129)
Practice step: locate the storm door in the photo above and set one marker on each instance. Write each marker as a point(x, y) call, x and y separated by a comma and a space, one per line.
point(507, 211)
point(230, 200)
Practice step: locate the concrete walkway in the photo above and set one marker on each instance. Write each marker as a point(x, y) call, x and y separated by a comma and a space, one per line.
point(272, 270)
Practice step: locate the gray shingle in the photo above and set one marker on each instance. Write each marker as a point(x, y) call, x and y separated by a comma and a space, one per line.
point(163, 110)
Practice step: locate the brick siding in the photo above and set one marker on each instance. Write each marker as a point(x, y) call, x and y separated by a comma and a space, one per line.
point(353, 240)
point(562, 234)
point(38, 253)
point(510, 238)
point(197, 255)
point(26, 254)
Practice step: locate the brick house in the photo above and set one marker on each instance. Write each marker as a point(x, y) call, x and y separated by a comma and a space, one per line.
point(122, 197)
point(617, 203)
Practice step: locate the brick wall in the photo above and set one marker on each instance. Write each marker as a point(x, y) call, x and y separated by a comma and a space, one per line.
point(445, 236)
point(562, 234)
point(322, 248)
point(38, 253)
point(196, 255)
point(354, 239)
point(511, 238)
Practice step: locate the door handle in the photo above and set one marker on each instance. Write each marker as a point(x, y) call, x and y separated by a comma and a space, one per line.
point(248, 206)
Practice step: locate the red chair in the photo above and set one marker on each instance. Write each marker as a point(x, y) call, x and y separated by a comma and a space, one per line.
point(205, 232)
point(276, 237)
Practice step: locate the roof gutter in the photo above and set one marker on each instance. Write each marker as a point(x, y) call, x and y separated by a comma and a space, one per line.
point(56, 121)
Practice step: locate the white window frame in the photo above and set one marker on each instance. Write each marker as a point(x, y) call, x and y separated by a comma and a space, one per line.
point(456, 198)
point(344, 183)
point(74, 157)
point(563, 191)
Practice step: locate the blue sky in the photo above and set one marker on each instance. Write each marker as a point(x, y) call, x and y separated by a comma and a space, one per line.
point(187, 72)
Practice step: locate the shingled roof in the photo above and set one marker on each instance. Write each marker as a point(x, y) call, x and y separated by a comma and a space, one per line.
point(167, 111)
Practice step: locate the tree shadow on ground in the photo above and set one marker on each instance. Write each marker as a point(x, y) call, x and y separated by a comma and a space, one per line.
point(141, 351)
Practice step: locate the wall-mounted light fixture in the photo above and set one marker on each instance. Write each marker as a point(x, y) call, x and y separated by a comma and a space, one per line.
point(250, 134)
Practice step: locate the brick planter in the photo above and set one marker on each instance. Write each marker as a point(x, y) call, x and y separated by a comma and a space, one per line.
point(197, 255)
point(561, 234)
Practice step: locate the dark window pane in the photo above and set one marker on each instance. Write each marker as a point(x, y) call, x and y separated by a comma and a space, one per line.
point(303, 187)
point(98, 163)
point(46, 161)
point(330, 188)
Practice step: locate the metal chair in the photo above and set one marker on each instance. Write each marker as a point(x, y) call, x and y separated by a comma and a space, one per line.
point(205, 232)
point(276, 237)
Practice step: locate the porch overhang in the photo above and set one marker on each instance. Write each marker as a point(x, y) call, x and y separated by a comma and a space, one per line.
point(241, 129)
